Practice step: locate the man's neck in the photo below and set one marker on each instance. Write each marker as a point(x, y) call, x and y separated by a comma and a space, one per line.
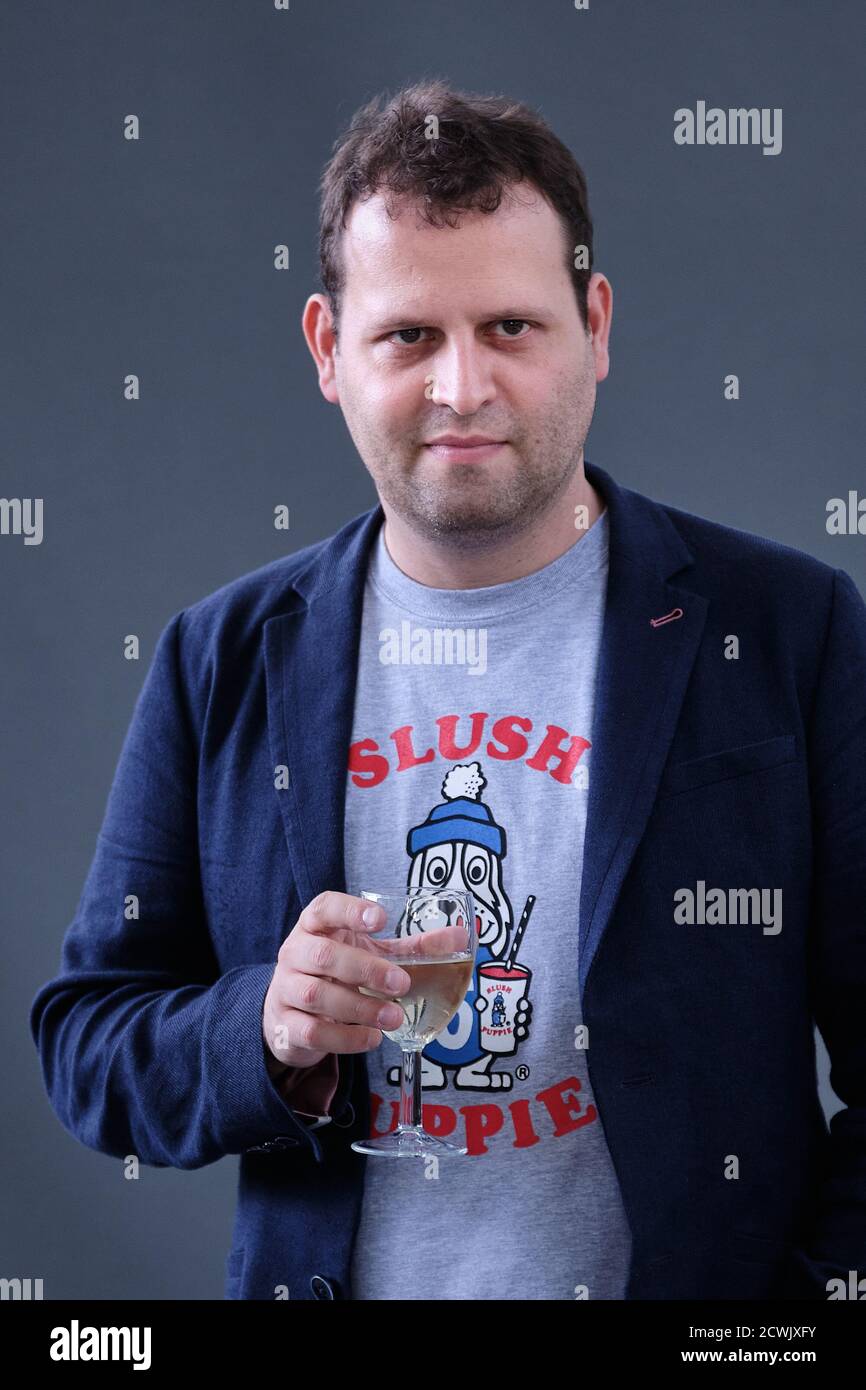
point(550, 535)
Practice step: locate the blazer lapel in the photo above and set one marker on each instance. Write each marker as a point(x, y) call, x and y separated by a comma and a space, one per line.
point(642, 677)
point(311, 662)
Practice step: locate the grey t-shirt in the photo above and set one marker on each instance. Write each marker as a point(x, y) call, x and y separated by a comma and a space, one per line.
point(469, 767)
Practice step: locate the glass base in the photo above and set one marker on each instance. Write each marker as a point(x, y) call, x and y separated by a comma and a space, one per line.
point(407, 1142)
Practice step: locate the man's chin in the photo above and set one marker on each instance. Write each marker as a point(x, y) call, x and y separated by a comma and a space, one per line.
point(468, 525)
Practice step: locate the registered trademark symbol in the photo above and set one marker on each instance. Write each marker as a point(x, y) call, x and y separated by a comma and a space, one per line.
point(522, 1072)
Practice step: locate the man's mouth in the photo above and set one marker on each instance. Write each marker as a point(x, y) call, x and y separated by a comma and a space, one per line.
point(469, 449)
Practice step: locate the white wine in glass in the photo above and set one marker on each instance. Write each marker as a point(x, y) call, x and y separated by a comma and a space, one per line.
point(438, 988)
point(431, 934)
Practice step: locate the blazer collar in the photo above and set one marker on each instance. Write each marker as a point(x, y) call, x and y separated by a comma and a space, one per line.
point(311, 656)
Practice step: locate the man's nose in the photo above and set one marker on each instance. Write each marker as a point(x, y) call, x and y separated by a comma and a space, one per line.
point(462, 376)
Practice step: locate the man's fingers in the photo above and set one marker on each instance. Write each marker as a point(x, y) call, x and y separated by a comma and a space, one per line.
point(349, 965)
point(313, 1033)
point(331, 911)
point(335, 1002)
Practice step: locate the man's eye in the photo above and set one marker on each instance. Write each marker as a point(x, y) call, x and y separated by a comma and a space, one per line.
point(509, 325)
point(407, 330)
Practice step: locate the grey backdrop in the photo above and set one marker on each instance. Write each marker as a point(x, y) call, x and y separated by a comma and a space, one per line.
point(156, 257)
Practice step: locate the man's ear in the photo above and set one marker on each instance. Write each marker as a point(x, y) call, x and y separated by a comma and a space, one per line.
point(599, 312)
point(317, 322)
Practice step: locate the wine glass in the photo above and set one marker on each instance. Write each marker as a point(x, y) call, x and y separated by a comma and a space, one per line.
point(430, 933)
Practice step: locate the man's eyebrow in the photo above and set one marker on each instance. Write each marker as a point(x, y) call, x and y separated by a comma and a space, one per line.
point(418, 319)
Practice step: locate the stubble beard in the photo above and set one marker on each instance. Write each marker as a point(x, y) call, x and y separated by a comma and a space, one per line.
point(473, 506)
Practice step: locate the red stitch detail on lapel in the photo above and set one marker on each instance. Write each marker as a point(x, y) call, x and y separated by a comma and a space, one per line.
point(668, 617)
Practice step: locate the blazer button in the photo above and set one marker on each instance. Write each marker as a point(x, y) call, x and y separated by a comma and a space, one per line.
point(282, 1141)
point(347, 1118)
point(322, 1287)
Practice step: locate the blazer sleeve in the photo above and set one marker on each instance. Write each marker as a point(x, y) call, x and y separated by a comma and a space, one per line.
point(837, 774)
point(145, 1047)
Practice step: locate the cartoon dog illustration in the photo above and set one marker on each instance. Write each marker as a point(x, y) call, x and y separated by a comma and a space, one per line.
point(460, 846)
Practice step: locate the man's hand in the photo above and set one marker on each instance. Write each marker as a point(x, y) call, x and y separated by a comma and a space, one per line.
point(313, 1005)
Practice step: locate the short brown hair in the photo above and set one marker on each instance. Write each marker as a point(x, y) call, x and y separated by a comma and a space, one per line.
point(483, 144)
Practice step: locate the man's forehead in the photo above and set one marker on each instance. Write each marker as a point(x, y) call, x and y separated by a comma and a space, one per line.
point(386, 219)
point(385, 229)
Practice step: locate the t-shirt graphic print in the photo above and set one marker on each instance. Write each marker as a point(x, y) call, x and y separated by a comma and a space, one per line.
point(460, 845)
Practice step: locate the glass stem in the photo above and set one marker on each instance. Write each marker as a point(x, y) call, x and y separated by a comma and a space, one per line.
point(410, 1089)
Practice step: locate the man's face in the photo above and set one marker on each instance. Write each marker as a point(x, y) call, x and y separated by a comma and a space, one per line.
point(471, 330)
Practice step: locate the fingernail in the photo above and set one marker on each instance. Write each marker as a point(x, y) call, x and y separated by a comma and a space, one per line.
point(396, 980)
point(370, 916)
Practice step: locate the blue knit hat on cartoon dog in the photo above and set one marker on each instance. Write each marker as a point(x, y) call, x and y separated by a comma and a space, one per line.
point(461, 816)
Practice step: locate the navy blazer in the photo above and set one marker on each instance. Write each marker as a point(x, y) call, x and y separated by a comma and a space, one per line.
point(740, 773)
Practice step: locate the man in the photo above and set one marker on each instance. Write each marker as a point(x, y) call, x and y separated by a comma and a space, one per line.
point(634, 733)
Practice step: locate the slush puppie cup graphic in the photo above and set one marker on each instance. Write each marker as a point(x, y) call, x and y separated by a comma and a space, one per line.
point(460, 845)
point(505, 988)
